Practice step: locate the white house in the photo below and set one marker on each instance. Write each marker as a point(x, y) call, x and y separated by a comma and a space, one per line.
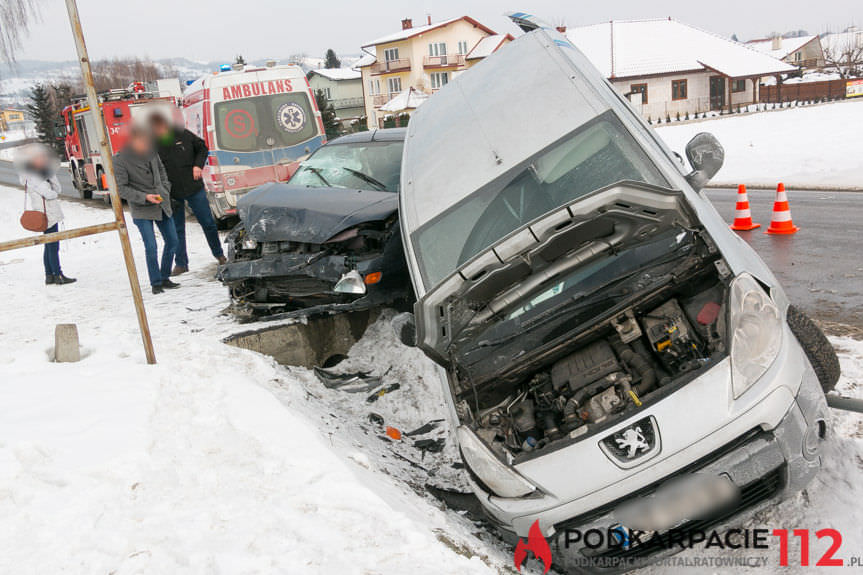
point(668, 68)
point(802, 51)
point(343, 87)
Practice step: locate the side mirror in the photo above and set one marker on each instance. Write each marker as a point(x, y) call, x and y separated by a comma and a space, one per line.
point(706, 156)
point(405, 327)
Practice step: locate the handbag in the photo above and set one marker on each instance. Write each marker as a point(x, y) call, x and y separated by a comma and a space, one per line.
point(34, 220)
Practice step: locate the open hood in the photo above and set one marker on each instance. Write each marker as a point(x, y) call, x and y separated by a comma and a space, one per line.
point(281, 212)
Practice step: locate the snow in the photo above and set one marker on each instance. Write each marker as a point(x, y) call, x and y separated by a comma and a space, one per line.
point(815, 146)
point(216, 459)
point(664, 46)
point(839, 42)
point(404, 34)
point(788, 46)
point(338, 73)
point(366, 60)
point(487, 46)
point(407, 100)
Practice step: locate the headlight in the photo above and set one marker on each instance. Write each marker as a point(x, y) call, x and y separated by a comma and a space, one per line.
point(500, 478)
point(249, 243)
point(756, 332)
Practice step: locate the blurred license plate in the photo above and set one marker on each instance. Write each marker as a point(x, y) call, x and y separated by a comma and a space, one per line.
point(677, 501)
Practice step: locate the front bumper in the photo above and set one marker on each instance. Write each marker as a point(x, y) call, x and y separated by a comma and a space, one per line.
point(769, 457)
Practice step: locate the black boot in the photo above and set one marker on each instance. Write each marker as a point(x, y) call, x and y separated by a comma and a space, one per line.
point(157, 289)
point(168, 284)
point(61, 279)
point(50, 279)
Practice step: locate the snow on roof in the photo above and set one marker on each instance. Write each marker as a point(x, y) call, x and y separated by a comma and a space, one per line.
point(337, 73)
point(788, 46)
point(645, 47)
point(366, 60)
point(410, 32)
point(841, 41)
point(487, 45)
point(406, 100)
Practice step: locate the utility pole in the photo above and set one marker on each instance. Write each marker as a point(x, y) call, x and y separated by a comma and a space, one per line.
point(108, 165)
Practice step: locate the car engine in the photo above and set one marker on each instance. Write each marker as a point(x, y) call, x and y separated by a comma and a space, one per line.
point(638, 354)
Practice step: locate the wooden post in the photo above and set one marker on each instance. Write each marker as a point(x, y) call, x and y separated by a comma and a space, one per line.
point(730, 95)
point(108, 165)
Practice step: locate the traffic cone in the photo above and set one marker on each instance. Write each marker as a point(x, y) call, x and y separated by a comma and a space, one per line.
point(742, 213)
point(781, 222)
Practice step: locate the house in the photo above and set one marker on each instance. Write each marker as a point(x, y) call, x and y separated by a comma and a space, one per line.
point(419, 61)
point(843, 51)
point(802, 51)
point(667, 68)
point(343, 87)
point(10, 118)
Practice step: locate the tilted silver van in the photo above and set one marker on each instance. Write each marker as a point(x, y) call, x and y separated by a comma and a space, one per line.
point(614, 357)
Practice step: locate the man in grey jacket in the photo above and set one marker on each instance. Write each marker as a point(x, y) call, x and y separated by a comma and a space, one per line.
point(143, 183)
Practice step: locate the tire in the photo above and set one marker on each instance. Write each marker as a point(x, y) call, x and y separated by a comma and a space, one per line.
point(817, 347)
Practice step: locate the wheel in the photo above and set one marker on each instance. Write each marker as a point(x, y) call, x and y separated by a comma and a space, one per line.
point(79, 184)
point(821, 354)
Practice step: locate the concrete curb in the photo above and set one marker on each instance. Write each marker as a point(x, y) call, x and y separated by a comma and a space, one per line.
point(789, 187)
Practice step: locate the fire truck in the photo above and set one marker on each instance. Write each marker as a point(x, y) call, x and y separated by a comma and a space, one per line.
point(81, 138)
point(258, 123)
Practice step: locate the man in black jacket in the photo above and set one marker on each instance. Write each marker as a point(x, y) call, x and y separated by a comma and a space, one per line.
point(184, 154)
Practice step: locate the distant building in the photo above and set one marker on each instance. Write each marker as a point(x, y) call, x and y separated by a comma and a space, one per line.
point(667, 68)
point(344, 89)
point(420, 61)
point(803, 51)
point(11, 118)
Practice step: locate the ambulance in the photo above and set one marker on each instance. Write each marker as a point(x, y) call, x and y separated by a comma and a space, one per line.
point(258, 123)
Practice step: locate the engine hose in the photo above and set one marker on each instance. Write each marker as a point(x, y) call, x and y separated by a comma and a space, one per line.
point(639, 364)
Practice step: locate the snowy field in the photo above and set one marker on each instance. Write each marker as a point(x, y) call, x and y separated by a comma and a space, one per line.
point(814, 146)
point(218, 460)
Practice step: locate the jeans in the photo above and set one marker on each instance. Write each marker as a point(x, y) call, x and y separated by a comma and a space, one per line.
point(156, 272)
point(201, 208)
point(51, 255)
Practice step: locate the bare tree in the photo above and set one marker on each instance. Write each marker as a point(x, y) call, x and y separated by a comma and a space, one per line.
point(16, 16)
point(120, 72)
point(843, 53)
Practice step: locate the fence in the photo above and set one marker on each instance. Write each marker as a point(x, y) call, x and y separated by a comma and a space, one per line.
point(829, 89)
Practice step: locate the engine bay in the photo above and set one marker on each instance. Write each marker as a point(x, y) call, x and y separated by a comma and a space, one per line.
point(634, 355)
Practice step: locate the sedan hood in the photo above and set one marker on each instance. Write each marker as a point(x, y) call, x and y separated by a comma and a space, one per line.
point(281, 212)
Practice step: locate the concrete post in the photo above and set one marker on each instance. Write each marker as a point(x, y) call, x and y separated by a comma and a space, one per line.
point(66, 347)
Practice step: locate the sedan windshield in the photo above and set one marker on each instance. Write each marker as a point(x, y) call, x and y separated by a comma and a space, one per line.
point(596, 155)
point(361, 165)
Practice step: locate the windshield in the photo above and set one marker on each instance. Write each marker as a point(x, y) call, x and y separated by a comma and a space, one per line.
point(361, 165)
point(264, 122)
point(598, 154)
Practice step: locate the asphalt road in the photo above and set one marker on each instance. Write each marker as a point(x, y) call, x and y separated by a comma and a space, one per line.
point(821, 266)
point(9, 177)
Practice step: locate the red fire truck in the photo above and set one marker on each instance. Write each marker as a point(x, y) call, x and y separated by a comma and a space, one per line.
point(120, 107)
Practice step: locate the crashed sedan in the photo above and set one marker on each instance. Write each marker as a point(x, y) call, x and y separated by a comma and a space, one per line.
point(328, 239)
point(613, 356)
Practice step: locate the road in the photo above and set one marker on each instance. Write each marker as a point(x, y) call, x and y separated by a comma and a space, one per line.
point(821, 266)
point(9, 177)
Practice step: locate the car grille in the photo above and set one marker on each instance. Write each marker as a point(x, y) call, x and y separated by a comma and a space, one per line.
point(297, 286)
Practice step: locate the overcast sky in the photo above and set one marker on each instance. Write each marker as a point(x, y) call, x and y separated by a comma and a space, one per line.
point(219, 29)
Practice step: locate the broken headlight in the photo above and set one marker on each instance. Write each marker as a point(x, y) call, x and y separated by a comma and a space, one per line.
point(497, 476)
point(249, 244)
point(756, 332)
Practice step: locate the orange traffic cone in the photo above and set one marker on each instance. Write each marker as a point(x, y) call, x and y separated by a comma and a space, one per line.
point(781, 222)
point(742, 213)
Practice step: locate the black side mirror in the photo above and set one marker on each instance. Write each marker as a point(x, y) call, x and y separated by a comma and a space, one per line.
point(706, 156)
point(405, 327)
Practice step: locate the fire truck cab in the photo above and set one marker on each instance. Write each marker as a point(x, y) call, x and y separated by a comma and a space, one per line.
point(81, 137)
point(258, 123)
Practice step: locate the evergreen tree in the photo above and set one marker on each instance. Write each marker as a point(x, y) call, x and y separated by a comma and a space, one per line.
point(40, 108)
point(328, 115)
point(331, 60)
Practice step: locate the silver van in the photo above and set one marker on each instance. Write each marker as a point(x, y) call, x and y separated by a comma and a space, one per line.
point(614, 357)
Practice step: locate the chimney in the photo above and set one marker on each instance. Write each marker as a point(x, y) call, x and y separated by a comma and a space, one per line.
point(407, 24)
point(561, 28)
point(428, 19)
point(777, 43)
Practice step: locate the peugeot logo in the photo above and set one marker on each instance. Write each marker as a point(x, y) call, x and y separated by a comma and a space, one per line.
point(633, 444)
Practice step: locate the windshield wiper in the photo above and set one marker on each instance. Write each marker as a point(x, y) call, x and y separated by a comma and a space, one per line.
point(367, 178)
point(317, 172)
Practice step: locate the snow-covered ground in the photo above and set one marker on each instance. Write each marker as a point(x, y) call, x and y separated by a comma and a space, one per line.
point(218, 460)
point(815, 146)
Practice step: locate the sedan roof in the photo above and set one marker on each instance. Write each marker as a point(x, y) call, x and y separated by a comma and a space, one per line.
point(377, 135)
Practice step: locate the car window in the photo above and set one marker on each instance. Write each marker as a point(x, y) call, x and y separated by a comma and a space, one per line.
point(597, 155)
point(264, 122)
point(361, 165)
